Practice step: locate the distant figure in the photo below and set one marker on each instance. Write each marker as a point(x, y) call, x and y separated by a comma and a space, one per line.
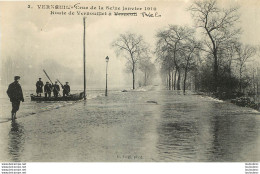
point(47, 89)
point(39, 85)
point(66, 89)
point(15, 94)
point(56, 89)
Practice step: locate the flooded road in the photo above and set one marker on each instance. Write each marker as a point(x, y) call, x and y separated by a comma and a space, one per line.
point(154, 125)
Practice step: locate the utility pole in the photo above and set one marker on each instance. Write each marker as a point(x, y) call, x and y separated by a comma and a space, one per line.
point(107, 59)
point(84, 61)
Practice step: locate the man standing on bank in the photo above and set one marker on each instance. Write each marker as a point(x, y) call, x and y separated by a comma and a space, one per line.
point(56, 89)
point(39, 85)
point(66, 89)
point(15, 94)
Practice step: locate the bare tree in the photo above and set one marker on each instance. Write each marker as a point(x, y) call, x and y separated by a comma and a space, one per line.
point(218, 26)
point(166, 60)
point(171, 40)
point(244, 52)
point(189, 52)
point(132, 47)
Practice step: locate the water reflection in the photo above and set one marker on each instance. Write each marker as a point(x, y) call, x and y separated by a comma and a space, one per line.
point(16, 141)
point(177, 135)
point(177, 141)
point(217, 151)
point(232, 133)
point(205, 131)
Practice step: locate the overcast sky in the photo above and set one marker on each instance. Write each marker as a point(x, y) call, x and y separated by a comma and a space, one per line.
point(37, 36)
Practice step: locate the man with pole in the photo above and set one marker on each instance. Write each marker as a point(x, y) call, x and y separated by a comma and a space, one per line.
point(56, 89)
point(66, 88)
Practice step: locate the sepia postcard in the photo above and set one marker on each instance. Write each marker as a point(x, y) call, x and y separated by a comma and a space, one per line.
point(130, 81)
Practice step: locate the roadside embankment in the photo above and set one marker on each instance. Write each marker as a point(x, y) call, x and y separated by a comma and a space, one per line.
point(238, 99)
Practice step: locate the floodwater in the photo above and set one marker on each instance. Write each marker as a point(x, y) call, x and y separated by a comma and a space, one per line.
point(139, 126)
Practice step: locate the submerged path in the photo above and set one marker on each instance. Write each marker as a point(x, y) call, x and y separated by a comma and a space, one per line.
point(154, 125)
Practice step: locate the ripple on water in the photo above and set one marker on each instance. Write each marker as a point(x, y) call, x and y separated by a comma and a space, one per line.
point(179, 128)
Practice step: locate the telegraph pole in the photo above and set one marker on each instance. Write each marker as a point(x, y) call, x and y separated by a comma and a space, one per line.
point(84, 54)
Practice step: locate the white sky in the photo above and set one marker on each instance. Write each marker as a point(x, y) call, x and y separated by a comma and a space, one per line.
point(36, 35)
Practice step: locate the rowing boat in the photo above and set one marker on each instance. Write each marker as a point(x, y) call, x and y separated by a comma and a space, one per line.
point(72, 97)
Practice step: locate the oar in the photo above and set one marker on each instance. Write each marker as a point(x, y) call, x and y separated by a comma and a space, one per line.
point(51, 81)
point(63, 86)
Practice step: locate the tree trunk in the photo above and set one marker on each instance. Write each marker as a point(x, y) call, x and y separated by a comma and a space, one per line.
point(254, 81)
point(175, 74)
point(215, 67)
point(172, 80)
point(133, 72)
point(179, 80)
point(169, 80)
point(166, 81)
point(229, 69)
point(184, 80)
point(240, 80)
point(257, 81)
point(215, 72)
point(145, 79)
point(195, 81)
point(257, 87)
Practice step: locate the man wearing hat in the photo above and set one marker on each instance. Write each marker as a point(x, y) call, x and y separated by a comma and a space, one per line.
point(15, 94)
point(39, 85)
point(47, 89)
point(66, 89)
point(56, 89)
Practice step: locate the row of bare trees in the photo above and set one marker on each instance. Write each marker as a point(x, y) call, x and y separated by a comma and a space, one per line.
point(178, 51)
point(216, 62)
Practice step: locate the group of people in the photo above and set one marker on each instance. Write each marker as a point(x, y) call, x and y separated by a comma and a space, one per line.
point(48, 88)
point(15, 92)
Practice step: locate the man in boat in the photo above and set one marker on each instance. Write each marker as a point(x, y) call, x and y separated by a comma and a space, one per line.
point(39, 85)
point(66, 89)
point(47, 89)
point(15, 94)
point(56, 89)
